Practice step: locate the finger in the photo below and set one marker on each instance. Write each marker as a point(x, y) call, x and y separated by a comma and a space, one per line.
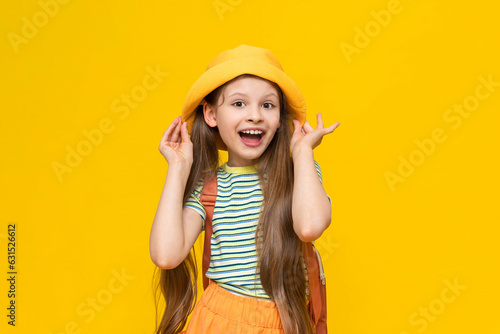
point(168, 131)
point(319, 120)
point(184, 133)
point(302, 130)
point(297, 127)
point(177, 131)
point(179, 140)
point(307, 127)
point(331, 128)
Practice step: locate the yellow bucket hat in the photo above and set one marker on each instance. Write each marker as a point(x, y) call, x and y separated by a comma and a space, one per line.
point(242, 60)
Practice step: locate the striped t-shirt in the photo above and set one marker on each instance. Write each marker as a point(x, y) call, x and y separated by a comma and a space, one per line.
point(233, 261)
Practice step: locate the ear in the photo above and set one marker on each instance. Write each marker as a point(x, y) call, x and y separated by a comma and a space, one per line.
point(209, 114)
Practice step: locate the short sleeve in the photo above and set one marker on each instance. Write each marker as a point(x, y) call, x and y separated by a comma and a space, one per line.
point(318, 169)
point(194, 202)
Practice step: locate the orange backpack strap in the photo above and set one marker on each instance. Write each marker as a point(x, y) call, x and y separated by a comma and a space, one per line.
point(207, 198)
point(317, 289)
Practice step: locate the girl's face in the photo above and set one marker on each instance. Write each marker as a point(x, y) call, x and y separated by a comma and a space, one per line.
point(247, 120)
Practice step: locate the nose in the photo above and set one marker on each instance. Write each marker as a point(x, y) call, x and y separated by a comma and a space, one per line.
point(254, 114)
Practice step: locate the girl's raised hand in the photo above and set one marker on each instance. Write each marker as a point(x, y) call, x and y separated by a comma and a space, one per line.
point(175, 145)
point(308, 137)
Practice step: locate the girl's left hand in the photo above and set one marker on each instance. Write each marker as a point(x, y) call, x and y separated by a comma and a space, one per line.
point(308, 137)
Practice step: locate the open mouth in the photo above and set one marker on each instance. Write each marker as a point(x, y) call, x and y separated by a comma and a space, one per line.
point(251, 137)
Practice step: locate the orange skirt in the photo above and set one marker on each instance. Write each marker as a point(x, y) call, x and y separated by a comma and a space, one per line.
point(221, 311)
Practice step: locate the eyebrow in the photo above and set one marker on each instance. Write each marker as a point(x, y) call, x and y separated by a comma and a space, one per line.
point(238, 93)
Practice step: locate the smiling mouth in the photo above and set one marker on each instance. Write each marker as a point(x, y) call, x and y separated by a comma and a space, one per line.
point(251, 136)
point(251, 139)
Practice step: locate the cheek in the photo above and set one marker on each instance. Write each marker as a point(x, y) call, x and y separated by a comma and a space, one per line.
point(225, 130)
point(277, 121)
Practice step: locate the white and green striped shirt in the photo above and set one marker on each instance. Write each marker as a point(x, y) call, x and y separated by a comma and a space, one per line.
point(233, 261)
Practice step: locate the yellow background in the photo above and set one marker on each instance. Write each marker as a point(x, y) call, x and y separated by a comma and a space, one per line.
point(390, 249)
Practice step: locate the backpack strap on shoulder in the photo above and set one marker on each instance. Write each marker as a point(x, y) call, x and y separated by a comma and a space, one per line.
point(207, 198)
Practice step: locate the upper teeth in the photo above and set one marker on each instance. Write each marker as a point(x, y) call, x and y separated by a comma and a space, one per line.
point(253, 132)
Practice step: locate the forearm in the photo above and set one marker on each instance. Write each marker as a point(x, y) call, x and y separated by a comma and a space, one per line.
point(167, 233)
point(311, 209)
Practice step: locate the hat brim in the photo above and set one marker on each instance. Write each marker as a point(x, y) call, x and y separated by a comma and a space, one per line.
point(223, 72)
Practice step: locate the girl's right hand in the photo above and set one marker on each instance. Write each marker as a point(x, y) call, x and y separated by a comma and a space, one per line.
point(176, 146)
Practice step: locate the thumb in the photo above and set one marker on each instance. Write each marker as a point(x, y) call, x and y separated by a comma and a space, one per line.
point(331, 128)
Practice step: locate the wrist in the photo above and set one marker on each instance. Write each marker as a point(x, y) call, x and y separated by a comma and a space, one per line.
point(180, 171)
point(301, 152)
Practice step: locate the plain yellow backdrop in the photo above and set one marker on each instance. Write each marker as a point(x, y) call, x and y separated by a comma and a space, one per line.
point(412, 170)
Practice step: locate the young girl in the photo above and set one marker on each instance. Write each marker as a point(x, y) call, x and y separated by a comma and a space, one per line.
point(270, 200)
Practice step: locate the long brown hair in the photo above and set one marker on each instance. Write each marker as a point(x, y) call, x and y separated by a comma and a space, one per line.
point(278, 247)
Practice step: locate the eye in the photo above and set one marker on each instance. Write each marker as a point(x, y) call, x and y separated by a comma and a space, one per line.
point(270, 105)
point(233, 104)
